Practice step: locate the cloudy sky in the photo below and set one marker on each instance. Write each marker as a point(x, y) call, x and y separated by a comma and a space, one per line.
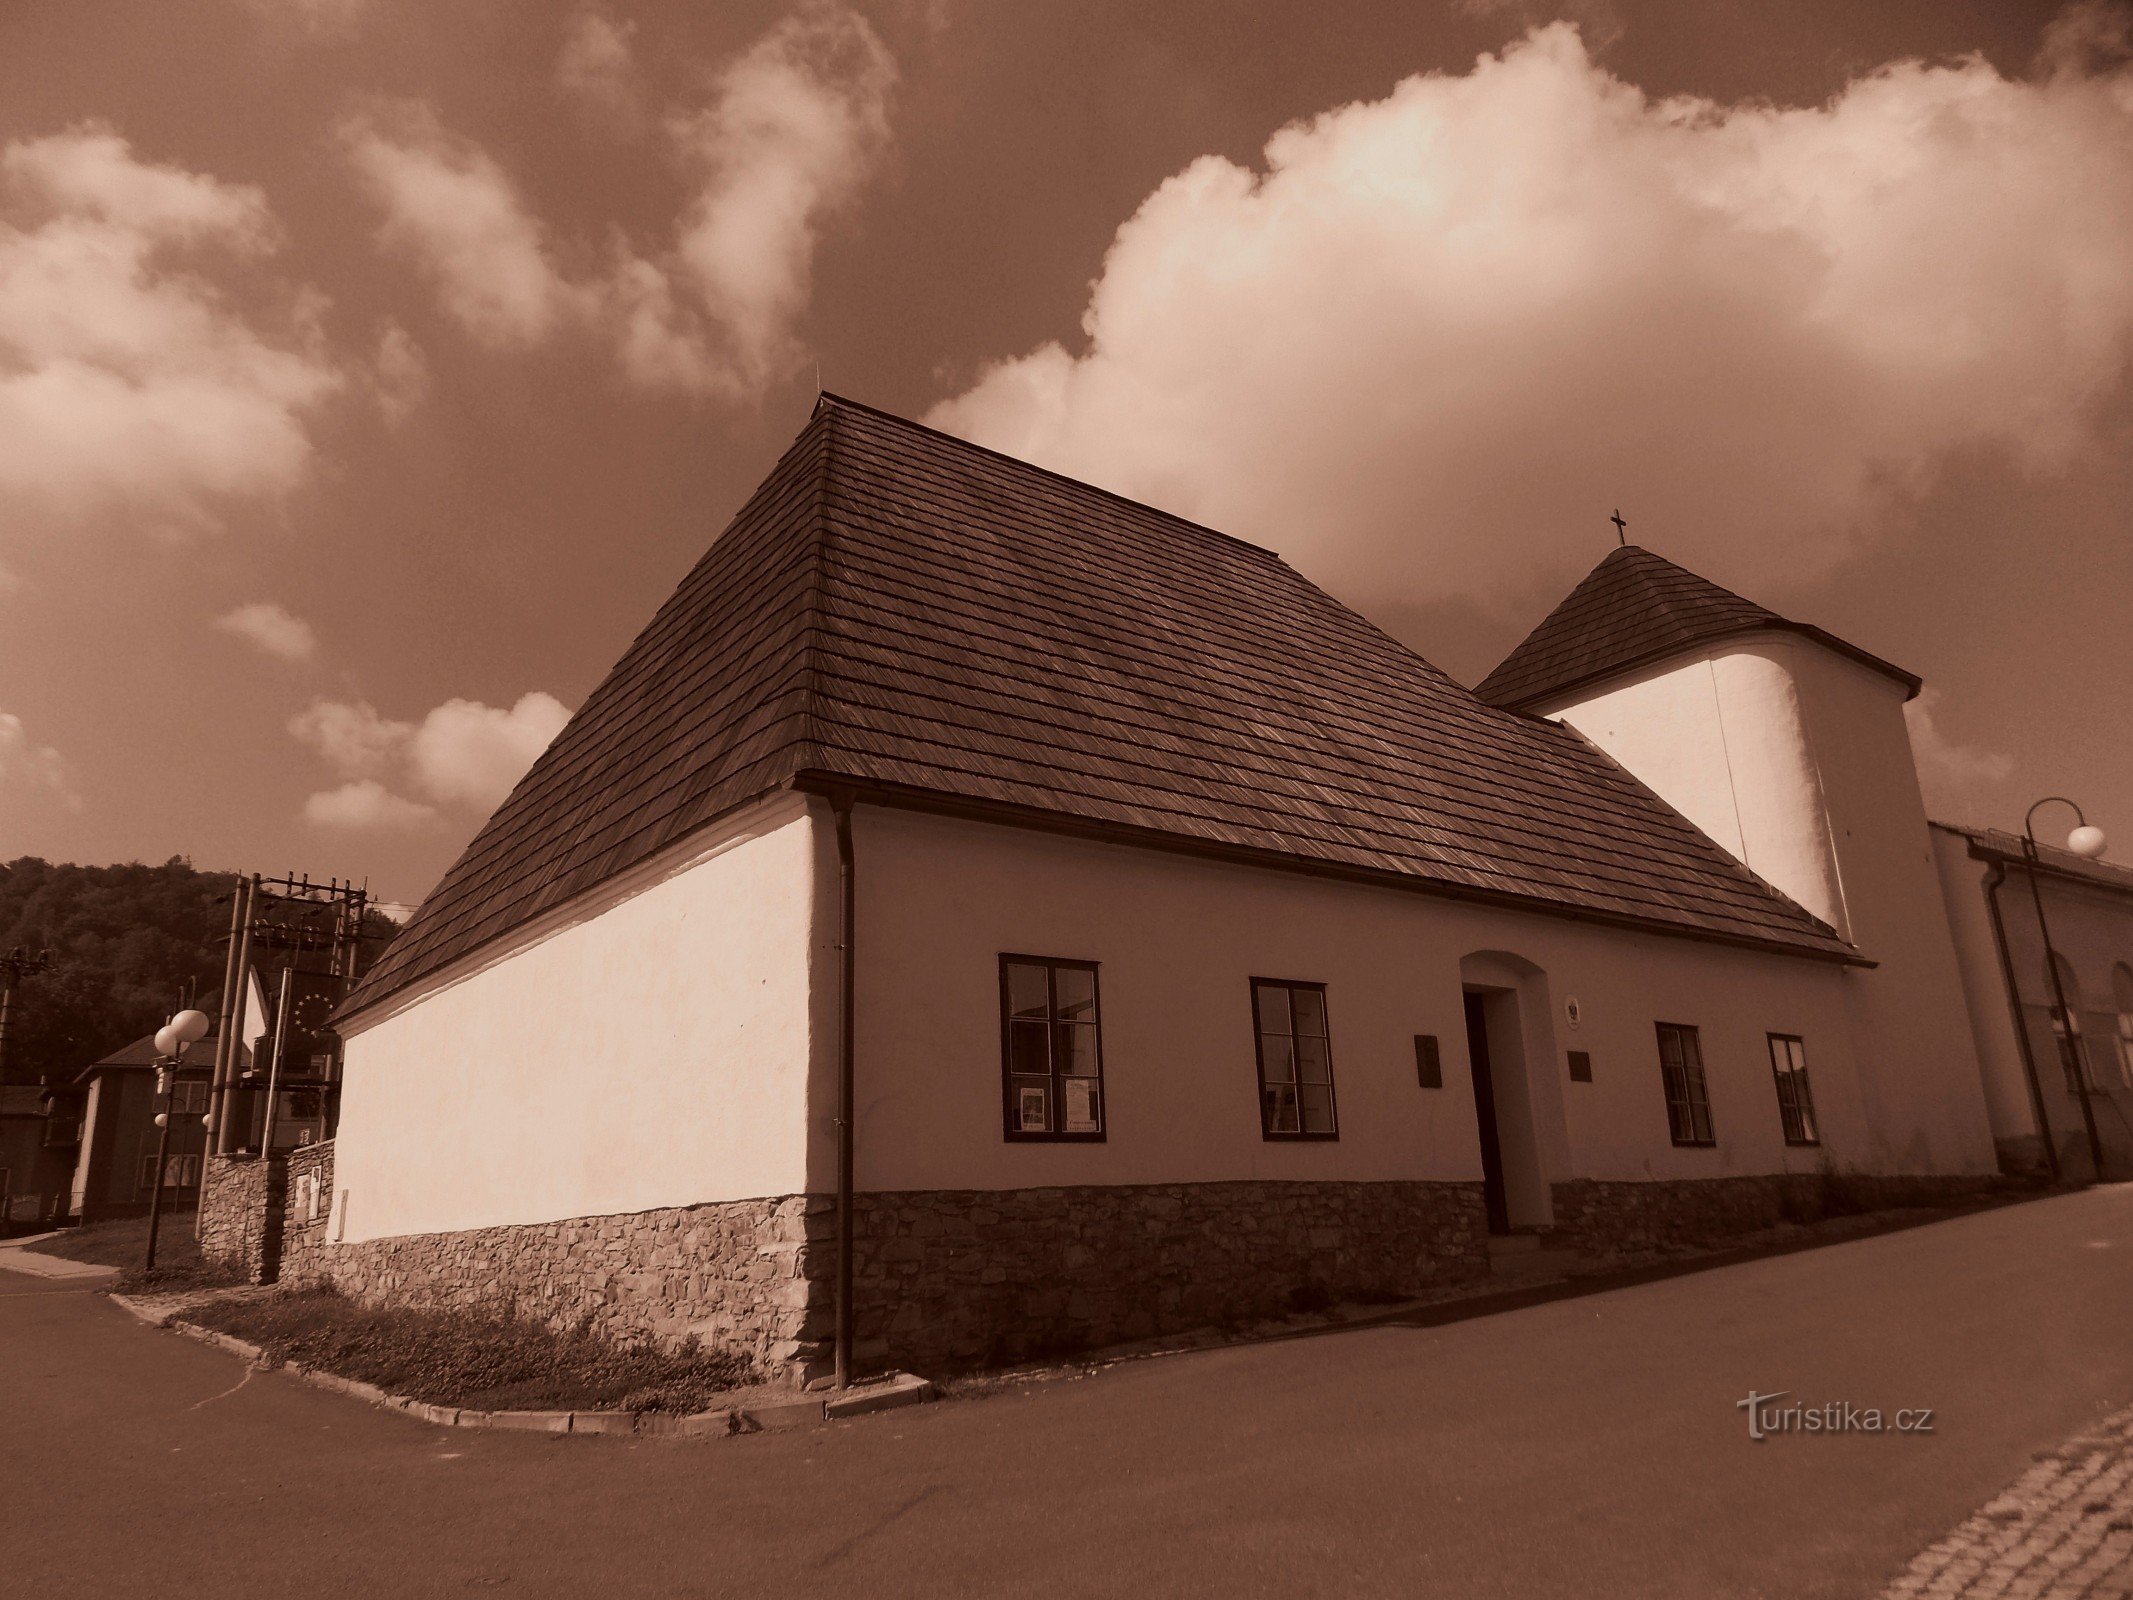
point(371, 369)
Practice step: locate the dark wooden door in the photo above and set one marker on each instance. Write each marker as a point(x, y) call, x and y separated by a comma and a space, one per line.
point(1477, 1050)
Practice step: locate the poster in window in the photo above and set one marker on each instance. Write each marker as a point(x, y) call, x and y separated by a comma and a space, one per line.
point(1032, 1116)
point(1081, 1105)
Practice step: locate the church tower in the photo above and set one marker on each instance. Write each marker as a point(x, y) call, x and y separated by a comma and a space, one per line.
point(1787, 745)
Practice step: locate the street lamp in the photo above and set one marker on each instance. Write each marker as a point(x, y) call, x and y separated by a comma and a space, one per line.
point(186, 1028)
point(2088, 843)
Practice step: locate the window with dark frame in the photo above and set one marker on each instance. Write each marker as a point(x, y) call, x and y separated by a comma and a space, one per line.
point(1581, 1066)
point(1051, 1049)
point(1688, 1100)
point(1796, 1102)
point(1295, 1060)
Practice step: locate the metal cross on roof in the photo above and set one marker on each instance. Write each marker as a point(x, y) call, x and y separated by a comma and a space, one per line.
point(1620, 525)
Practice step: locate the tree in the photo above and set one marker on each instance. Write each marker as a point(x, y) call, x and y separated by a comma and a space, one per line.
point(130, 943)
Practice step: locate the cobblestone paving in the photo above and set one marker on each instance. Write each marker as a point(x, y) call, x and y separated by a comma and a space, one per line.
point(2062, 1531)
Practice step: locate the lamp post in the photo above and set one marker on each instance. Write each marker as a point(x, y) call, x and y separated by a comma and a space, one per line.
point(2088, 843)
point(187, 1027)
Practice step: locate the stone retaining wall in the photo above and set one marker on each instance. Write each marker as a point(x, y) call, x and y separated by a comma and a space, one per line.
point(1605, 1218)
point(241, 1203)
point(950, 1279)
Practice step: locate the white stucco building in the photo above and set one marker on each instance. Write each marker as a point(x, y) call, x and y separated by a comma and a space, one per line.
point(1106, 929)
point(2059, 1092)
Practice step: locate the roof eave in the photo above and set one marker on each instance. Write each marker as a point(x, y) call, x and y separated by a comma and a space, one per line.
point(911, 798)
point(1981, 848)
point(1554, 692)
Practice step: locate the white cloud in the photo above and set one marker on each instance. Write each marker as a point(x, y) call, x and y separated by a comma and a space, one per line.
point(272, 628)
point(400, 374)
point(364, 803)
point(1430, 347)
point(791, 130)
point(354, 739)
point(450, 208)
point(38, 766)
point(595, 66)
point(1959, 780)
point(131, 376)
point(470, 754)
point(462, 753)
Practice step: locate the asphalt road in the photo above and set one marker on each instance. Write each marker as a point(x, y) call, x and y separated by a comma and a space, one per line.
point(1586, 1446)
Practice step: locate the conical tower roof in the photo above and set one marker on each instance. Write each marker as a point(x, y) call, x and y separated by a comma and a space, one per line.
point(1634, 608)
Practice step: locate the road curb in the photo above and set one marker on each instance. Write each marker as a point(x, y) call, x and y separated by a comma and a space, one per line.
point(875, 1394)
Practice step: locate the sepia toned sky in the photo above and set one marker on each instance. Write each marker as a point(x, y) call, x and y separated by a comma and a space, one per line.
point(370, 369)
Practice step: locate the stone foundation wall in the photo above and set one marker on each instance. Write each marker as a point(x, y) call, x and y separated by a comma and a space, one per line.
point(754, 1276)
point(949, 1279)
point(955, 1279)
point(241, 1201)
point(1606, 1218)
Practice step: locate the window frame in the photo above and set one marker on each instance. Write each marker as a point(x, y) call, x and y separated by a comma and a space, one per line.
point(1696, 1091)
point(1010, 1123)
point(1267, 1131)
point(2064, 1022)
point(1799, 1109)
point(2076, 1062)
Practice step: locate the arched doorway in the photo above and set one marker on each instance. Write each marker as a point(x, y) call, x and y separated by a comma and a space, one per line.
point(1518, 1108)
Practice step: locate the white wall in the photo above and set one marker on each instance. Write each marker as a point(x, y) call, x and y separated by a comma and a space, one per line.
point(1797, 759)
point(1720, 737)
point(648, 1047)
point(2092, 932)
point(1179, 939)
point(82, 1160)
point(1991, 1017)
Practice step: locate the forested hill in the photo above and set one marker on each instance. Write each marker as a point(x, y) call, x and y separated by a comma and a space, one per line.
point(128, 943)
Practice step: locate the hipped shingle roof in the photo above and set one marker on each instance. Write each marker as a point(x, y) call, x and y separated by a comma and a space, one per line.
point(937, 624)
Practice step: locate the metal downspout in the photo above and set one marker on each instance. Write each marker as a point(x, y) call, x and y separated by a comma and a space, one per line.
point(841, 804)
